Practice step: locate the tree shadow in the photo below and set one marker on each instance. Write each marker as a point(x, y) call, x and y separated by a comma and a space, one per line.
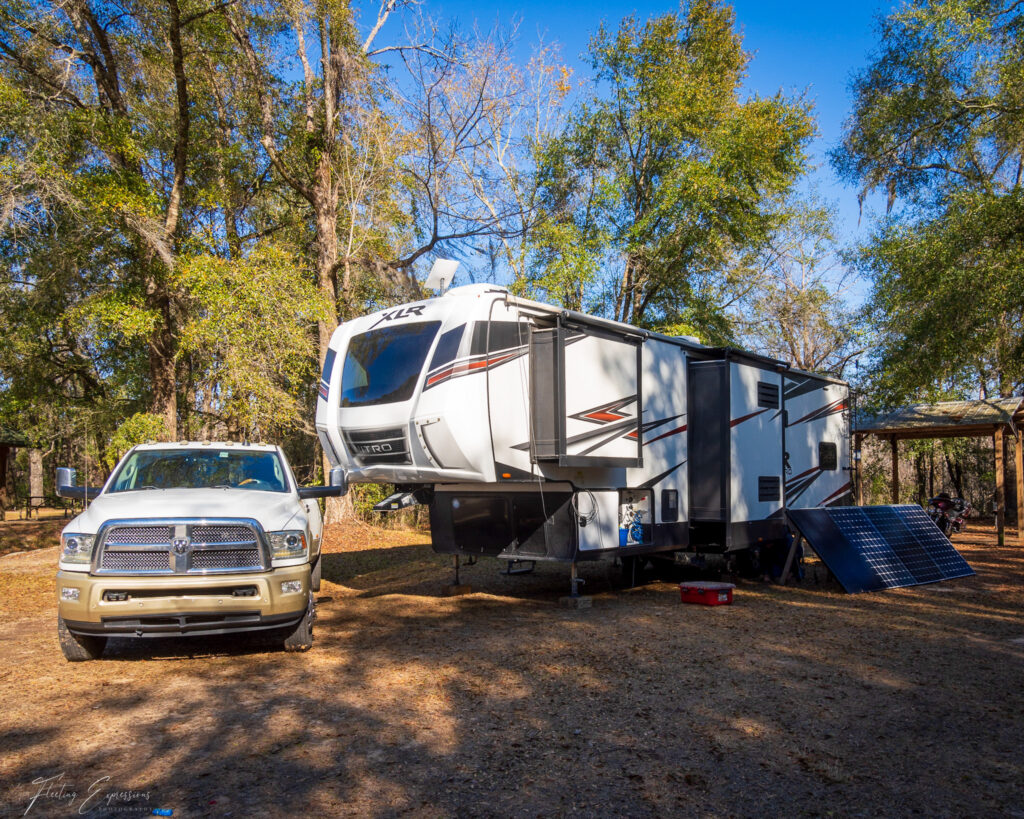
point(791, 700)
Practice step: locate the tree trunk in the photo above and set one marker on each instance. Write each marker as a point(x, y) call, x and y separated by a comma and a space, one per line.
point(162, 375)
point(4, 453)
point(35, 478)
point(955, 475)
point(336, 510)
point(922, 477)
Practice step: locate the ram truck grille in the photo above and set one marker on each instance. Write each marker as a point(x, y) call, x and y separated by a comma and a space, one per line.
point(180, 547)
point(136, 562)
point(372, 447)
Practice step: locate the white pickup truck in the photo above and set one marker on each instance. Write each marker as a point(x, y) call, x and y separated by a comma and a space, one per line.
point(190, 539)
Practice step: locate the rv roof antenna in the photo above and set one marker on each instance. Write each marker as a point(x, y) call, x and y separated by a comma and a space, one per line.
point(441, 275)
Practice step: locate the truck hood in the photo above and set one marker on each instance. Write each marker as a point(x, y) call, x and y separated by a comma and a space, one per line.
point(273, 510)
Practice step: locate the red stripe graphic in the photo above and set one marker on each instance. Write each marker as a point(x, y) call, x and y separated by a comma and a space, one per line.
point(842, 489)
point(605, 416)
point(675, 431)
point(738, 421)
point(829, 409)
point(469, 366)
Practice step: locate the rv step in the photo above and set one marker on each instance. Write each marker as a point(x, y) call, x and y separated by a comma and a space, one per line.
point(520, 567)
point(393, 503)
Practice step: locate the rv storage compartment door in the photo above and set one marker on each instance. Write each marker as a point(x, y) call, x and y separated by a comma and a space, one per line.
point(585, 397)
point(708, 439)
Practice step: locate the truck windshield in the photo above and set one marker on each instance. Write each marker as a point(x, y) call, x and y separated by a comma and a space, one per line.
point(200, 469)
point(383, 365)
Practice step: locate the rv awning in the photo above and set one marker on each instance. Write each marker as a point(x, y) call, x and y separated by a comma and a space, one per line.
point(946, 419)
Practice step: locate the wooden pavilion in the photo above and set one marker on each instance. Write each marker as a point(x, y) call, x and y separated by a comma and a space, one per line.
point(9, 440)
point(997, 418)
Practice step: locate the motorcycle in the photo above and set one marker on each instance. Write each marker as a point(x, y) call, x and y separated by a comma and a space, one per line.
point(949, 514)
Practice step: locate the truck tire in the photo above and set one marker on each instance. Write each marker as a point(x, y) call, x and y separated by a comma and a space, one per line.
point(301, 637)
point(78, 648)
point(317, 574)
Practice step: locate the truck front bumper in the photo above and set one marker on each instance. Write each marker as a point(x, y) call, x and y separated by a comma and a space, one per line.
point(175, 605)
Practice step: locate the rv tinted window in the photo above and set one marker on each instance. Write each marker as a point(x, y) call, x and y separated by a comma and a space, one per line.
point(828, 456)
point(325, 376)
point(490, 336)
point(383, 365)
point(447, 347)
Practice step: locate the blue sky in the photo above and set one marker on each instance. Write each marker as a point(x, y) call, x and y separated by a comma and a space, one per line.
point(812, 47)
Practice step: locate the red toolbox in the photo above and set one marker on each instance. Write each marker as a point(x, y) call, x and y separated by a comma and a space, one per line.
point(706, 592)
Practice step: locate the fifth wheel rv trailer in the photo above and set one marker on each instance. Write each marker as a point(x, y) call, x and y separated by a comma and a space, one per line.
point(537, 433)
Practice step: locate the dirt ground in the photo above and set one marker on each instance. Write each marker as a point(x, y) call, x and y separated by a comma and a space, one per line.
point(799, 700)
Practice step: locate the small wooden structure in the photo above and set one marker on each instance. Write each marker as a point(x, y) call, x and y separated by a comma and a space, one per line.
point(995, 417)
point(9, 440)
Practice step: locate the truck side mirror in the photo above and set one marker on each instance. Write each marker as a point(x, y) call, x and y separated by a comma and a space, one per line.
point(338, 486)
point(339, 478)
point(67, 488)
point(66, 476)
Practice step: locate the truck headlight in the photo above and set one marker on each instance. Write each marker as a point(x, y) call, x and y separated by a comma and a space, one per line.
point(287, 545)
point(76, 550)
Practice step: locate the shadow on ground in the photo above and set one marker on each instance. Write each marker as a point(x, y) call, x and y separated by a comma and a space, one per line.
point(795, 700)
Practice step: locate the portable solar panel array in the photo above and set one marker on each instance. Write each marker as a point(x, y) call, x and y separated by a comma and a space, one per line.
point(869, 548)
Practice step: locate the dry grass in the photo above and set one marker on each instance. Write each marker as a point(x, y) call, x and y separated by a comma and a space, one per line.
point(796, 700)
point(28, 535)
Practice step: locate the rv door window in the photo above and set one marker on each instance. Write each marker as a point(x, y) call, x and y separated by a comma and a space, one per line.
point(828, 456)
point(383, 365)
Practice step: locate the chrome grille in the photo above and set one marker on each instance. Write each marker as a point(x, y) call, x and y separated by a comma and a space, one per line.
point(222, 534)
point(378, 446)
point(136, 562)
point(140, 535)
point(214, 546)
point(226, 559)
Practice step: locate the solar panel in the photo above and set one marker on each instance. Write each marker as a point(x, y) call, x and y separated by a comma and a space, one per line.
point(879, 547)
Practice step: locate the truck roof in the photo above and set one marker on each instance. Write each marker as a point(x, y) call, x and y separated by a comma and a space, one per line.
point(208, 444)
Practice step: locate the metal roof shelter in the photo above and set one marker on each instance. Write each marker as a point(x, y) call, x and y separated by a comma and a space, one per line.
point(954, 419)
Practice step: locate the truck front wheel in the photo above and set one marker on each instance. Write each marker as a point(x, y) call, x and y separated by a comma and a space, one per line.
point(79, 647)
point(317, 573)
point(301, 637)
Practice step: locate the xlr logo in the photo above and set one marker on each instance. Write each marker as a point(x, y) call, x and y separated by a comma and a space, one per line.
point(401, 313)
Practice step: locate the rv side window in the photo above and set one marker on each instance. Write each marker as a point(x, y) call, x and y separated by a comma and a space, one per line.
point(767, 395)
point(828, 456)
point(325, 376)
point(490, 336)
point(669, 505)
point(447, 347)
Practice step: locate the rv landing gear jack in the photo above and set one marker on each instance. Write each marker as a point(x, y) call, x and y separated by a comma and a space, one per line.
point(457, 587)
point(575, 600)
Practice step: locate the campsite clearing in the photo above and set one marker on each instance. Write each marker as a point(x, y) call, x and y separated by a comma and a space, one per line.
point(794, 700)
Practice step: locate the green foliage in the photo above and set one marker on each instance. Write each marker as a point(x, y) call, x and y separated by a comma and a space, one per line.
point(666, 174)
point(139, 429)
point(937, 125)
point(794, 307)
point(948, 302)
point(248, 333)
